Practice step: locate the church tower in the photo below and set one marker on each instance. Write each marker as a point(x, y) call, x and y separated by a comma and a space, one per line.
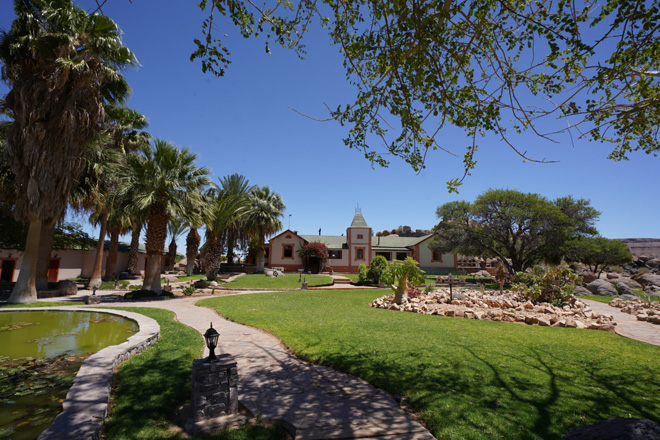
point(358, 237)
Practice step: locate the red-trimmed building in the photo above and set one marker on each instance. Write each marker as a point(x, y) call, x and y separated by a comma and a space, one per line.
point(358, 246)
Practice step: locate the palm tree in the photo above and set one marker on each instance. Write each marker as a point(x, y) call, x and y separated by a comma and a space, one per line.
point(161, 181)
point(62, 66)
point(236, 185)
point(198, 213)
point(226, 209)
point(263, 218)
point(177, 226)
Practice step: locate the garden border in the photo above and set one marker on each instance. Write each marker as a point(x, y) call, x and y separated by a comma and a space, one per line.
point(86, 405)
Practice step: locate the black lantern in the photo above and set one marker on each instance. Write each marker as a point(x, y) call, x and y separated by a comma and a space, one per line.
point(211, 337)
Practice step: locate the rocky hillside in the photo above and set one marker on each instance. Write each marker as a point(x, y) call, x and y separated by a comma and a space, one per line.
point(649, 247)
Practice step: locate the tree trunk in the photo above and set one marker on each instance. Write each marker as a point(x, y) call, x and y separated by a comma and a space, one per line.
point(401, 291)
point(230, 248)
point(171, 252)
point(260, 255)
point(132, 264)
point(192, 249)
point(43, 260)
point(111, 262)
point(156, 236)
point(95, 280)
point(152, 273)
point(213, 257)
point(25, 290)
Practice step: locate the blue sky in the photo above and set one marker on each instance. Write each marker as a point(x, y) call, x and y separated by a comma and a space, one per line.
point(242, 123)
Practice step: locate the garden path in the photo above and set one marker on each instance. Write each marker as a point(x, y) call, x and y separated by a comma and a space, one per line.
point(626, 324)
point(312, 401)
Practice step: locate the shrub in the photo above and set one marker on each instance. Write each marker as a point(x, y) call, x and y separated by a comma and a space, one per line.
point(378, 266)
point(555, 285)
point(189, 290)
point(137, 294)
point(362, 274)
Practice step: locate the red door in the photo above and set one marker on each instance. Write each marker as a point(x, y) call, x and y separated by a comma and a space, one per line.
point(53, 270)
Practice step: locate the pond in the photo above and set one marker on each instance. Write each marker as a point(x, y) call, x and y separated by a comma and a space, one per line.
point(40, 353)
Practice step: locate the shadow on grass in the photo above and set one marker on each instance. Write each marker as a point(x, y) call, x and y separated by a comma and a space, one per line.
point(531, 394)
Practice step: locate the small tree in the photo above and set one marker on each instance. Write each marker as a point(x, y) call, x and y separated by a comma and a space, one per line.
point(362, 274)
point(598, 252)
point(401, 276)
point(378, 266)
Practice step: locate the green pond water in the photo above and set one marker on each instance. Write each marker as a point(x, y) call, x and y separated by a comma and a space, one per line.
point(40, 353)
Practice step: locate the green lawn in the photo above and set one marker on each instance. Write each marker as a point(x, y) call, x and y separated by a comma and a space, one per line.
point(149, 387)
point(467, 379)
point(42, 304)
point(288, 281)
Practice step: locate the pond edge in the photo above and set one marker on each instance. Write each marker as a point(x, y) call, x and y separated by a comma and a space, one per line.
point(86, 405)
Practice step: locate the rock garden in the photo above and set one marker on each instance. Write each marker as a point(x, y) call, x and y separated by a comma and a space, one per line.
point(507, 307)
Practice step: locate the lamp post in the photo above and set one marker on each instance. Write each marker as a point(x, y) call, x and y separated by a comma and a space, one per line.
point(450, 279)
point(211, 338)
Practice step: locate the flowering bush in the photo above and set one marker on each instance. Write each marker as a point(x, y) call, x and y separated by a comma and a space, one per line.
point(414, 292)
point(313, 249)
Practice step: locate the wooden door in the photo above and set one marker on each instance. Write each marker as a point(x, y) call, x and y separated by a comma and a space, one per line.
point(53, 270)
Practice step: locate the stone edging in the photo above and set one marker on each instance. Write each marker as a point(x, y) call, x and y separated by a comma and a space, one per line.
point(86, 404)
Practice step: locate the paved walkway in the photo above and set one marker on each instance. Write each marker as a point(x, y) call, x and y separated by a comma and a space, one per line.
point(627, 325)
point(313, 402)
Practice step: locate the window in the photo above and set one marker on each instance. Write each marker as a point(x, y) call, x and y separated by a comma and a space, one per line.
point(287, 251)
point(387, 255)
point(359, 254)
point(360, 236)
point(401, 255)
point(437, 256)
point(334, 255)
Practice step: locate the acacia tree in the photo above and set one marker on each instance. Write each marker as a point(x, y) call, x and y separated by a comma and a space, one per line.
point(598, 252)
point(521, 229)
point(62, 65)
point(420, 67)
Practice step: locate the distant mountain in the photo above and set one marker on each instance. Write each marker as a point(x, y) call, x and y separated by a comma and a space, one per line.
point(649, 247)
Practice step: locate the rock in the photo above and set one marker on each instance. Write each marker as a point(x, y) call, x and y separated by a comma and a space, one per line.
point(622, 289)
point(579, 324)
point(628, 297)
point(629, 282)
point(67, 287)
point(543, 322)
point(582, 291)
point(602, 287)
point(647, 278)
point(92, 299)
point(482, 274)
point(459, 295)
point(612, 275)
point(170, 279)
point(653, 262)
point(587, 277)
point(213, 284)
point(618, 428)
point(607, 327)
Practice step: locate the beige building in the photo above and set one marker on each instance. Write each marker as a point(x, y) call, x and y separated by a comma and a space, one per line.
point(358, 246)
